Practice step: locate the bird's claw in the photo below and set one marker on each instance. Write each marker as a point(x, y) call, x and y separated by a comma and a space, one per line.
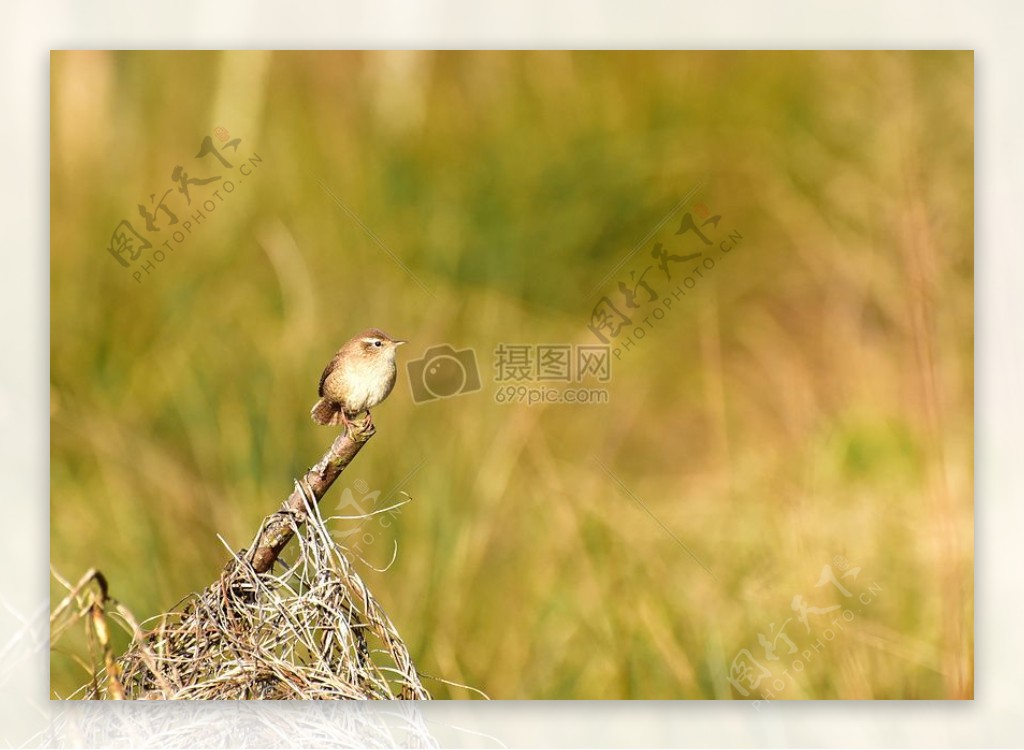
point(360, 431)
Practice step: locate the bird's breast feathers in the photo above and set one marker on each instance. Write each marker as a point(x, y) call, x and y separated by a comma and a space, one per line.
point(363, 384)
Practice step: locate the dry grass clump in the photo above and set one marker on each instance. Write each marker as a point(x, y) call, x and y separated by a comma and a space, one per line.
point(308, 629)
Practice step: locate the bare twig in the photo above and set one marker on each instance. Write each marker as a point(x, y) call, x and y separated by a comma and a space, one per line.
point(277, 528)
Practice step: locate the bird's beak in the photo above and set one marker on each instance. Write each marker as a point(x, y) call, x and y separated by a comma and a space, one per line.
point(400, 342)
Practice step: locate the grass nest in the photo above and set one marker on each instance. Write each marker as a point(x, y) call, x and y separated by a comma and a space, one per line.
point(307, 629)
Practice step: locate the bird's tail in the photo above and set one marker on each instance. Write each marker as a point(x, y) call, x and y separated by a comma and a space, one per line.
point(326, 412)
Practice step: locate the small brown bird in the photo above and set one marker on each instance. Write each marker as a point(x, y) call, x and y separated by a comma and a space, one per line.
point(360, 376)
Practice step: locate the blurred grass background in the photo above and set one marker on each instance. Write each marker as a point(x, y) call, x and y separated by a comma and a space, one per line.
point(812, 398)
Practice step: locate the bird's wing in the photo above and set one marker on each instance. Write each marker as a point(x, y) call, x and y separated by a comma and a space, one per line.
point(327, 371)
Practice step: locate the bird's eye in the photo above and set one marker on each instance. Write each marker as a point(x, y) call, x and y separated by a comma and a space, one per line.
point(376, 343)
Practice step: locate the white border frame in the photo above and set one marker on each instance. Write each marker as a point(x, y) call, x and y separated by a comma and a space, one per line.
point(994, 718)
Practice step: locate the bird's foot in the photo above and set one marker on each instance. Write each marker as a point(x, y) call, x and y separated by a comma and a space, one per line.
point(361, 431)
